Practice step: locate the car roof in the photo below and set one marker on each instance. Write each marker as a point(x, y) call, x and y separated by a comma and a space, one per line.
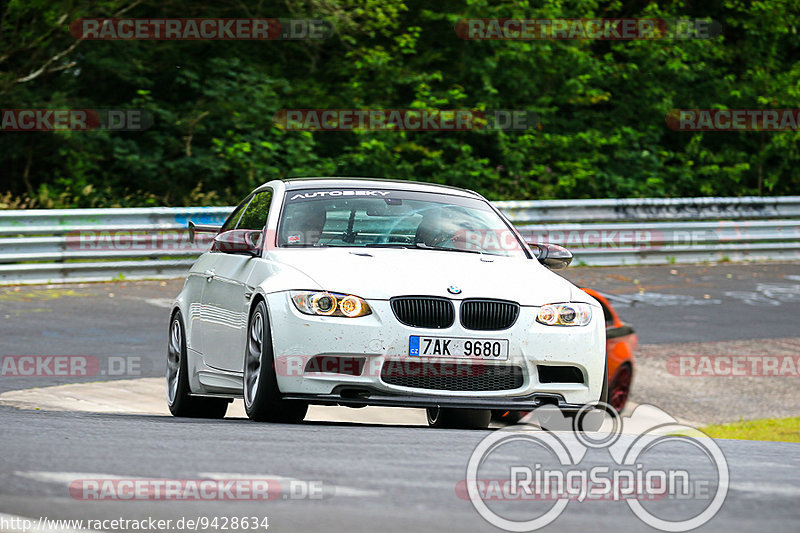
point(366, 183)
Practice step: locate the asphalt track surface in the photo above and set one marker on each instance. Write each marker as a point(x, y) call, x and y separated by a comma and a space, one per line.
point(387, 478)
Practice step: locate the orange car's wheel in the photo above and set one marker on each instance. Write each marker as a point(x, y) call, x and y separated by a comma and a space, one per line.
point(507, 417)
point(620, 387)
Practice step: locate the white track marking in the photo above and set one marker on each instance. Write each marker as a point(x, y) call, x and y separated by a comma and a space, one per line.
point(772, 489)
point(67, 477)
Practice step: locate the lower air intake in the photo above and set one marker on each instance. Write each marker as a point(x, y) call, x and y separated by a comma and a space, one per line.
point(559, 374)
point(434, 375)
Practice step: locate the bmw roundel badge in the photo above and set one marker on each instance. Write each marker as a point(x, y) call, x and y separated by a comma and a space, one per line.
point(452, 289)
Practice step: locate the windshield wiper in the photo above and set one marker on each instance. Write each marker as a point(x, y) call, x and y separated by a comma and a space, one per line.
point(424, 246)
point(419, 246)
point(389, 245)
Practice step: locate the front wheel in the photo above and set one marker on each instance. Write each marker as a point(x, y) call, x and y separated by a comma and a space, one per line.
point(262, 398)
point(179, 399)
point(450, 418)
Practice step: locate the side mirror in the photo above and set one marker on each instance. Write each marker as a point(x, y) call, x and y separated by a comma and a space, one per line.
point(239, 241)
point(194, 229)
point(552, 256)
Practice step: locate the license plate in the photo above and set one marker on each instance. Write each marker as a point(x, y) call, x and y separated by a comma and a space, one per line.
point(496, 349)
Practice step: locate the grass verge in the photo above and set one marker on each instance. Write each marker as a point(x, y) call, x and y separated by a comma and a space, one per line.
point(772, 429)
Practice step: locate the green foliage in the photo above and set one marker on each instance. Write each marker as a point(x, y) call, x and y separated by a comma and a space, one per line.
point(768, 429)
point(601, 104)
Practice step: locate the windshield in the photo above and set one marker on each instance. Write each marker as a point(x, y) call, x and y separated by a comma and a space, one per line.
point(391, 218)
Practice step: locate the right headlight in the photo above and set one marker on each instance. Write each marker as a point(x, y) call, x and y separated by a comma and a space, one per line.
point(324, 303)
point(567, 314)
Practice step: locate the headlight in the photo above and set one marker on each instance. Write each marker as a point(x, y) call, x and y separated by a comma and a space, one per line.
point(570, 314)
point(325, 303)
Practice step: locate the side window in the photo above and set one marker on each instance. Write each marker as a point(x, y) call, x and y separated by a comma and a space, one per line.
point(233, 219)
point(255, 216)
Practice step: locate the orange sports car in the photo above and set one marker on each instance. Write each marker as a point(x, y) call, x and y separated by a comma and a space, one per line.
point(621, 342)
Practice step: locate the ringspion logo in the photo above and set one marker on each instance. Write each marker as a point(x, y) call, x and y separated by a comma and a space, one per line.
point(540, 473)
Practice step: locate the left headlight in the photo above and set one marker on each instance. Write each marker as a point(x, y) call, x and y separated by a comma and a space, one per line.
point(324, 303)
point(567, 314)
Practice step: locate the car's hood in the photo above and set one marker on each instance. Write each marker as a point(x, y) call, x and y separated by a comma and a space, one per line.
point(374, 273)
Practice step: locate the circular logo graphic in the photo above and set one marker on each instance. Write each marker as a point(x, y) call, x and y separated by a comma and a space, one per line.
point(631, 478)
point(452, 289)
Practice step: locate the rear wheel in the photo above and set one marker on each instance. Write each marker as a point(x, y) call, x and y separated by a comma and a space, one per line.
point(262, 398)
point(179, 398)
point(620, 387)
point(507, 417)
point(439, 417)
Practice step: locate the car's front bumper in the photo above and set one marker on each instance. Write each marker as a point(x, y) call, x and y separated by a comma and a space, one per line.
point(364, 397)
point(379, 338)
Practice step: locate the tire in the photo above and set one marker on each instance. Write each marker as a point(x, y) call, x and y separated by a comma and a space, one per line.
point(458, 418)
point(262, 398)
point(179, 399)
point(620, 387)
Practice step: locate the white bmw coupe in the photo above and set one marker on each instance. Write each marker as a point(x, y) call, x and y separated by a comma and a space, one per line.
point(355, 292)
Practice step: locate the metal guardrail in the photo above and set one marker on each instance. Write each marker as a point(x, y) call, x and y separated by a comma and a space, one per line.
point(53, 246)
point(60, 221)
point(630, 209)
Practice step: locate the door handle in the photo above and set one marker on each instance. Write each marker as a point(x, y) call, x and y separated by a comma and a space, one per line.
point(209, 274)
